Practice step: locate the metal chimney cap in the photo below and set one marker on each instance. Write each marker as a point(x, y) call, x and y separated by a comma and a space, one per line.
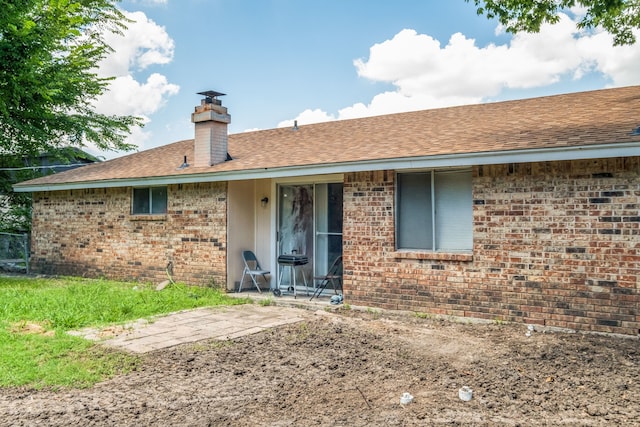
point(211, 93)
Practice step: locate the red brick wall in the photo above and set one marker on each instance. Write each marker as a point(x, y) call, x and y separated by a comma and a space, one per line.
point(555, 244)
point(92, 233)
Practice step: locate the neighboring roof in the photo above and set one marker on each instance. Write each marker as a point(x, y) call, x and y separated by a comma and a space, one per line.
point(579, 125)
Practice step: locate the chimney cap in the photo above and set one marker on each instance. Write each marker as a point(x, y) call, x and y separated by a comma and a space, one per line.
point(211, 93)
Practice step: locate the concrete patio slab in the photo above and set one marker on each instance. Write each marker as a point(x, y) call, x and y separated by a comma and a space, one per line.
point(220, 323)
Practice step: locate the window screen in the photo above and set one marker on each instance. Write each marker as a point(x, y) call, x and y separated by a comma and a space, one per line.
point(415, 229)
point(151, 200)
point(434, 211)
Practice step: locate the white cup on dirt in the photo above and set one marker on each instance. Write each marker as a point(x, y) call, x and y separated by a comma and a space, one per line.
point(465, 393)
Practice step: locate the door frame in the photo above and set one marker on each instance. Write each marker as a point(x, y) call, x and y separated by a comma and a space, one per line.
point(305, 180)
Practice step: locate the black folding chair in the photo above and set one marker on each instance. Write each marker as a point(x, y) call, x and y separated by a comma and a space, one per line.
point(333, 276)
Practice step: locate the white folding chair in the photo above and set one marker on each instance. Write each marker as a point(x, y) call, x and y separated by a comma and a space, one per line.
point(252, 269)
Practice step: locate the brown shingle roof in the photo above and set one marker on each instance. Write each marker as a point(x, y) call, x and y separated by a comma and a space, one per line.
point(579, 119)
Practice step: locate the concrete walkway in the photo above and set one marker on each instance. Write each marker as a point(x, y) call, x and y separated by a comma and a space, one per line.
point(219, 323)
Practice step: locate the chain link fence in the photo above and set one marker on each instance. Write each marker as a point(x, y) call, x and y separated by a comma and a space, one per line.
point(14, 253)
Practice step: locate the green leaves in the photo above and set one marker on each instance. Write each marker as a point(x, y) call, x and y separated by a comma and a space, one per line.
point(49, 53)
point(618, 17)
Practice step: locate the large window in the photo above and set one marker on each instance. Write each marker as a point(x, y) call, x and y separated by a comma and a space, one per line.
point(149, 201)
point(434, 211)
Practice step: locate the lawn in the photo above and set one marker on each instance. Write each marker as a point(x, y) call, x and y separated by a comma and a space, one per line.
point(36, 314)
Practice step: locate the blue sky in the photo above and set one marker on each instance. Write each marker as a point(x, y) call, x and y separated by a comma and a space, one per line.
point(285, 60)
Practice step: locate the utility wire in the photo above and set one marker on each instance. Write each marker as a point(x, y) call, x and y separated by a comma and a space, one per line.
point(44, 167)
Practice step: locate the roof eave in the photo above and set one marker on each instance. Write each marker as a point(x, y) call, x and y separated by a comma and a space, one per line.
point(622, 149)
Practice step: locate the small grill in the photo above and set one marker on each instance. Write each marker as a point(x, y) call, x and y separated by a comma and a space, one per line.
point(293, 260)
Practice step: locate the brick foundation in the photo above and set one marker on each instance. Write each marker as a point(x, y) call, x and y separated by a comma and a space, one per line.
point(92, 233)
point(555, 244)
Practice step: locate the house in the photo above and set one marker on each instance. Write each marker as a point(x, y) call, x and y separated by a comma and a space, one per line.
point(15, 221)
point(16, 168)
point(523, 211)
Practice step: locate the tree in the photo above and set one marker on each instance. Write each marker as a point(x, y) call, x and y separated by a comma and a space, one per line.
point(49, 55)
point(15, 208)
point(618, 17)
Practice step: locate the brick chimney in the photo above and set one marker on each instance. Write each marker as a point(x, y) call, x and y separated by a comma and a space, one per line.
point(211, 120)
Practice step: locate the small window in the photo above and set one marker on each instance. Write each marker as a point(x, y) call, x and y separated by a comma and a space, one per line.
point(149, 201)
point(434, 211)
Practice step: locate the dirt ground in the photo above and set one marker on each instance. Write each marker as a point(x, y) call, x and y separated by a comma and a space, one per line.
point(351, 369)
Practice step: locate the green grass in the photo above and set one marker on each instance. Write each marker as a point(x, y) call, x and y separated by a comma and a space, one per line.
point(267, 302)
point(35, 314)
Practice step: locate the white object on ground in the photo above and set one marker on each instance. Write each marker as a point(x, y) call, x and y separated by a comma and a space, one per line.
point(406, 398)
point(465, 393)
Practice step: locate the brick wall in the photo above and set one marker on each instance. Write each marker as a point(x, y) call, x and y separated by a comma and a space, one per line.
point(555, 244)
point(92, 233)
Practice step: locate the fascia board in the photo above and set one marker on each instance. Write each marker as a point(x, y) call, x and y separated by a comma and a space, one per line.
point(628, 149)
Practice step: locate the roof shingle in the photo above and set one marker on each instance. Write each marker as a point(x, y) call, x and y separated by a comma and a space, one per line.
point(579, 119)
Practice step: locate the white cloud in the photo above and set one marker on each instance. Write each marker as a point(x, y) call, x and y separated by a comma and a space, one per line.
point(128, 96)
point(397, 102)
point(308, 117)
point(620, 64)
point(428, 75)
point(418, 65)
point(143, 44)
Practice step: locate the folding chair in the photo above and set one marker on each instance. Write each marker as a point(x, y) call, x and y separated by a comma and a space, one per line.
point(252, 269)
point(333, 276)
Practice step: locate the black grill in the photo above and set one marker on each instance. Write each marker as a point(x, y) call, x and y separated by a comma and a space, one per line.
point(293, 259)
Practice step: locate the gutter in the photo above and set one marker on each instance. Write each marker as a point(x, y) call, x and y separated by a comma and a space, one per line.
point(626, 149)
